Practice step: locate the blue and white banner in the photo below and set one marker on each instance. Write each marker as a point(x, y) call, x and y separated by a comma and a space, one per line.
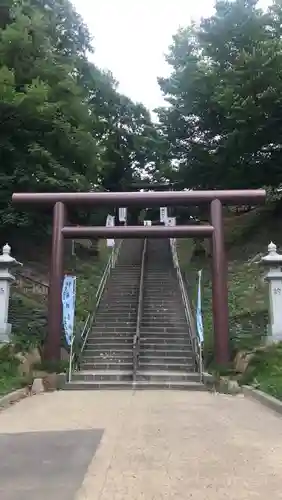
point(68, 300)
point(199, 319)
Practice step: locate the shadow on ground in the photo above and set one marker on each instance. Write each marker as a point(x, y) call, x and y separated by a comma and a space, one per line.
point(44, 465)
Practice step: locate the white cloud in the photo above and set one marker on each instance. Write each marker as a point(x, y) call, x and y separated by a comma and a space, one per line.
point(131, 37)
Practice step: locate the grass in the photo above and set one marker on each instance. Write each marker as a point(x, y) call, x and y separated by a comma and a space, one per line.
point(265, 371)
point(246, 237)
point(10, 379)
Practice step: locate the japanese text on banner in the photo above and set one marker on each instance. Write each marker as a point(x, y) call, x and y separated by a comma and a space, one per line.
point(68, 301)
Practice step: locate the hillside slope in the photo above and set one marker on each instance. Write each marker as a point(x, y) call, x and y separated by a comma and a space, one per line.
point(247, 237)
point(28, 302)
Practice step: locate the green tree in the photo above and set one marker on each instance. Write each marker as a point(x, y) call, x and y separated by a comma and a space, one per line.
point(63, 124)
point(224, 121)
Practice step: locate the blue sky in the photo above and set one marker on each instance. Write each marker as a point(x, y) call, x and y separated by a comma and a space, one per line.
point(131, 37)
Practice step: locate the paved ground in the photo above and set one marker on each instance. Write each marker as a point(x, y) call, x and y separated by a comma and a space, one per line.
point(154, 445)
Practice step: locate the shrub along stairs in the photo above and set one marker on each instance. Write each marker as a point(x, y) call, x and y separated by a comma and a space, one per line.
point(141, 336)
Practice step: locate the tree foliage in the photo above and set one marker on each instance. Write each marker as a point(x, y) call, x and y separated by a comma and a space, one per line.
point(223, 122)
point(63, 124)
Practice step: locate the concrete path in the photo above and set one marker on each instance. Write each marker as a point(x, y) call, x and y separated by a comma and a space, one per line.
point(150, 445)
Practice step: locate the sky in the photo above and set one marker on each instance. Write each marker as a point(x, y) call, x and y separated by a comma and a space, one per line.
point(131, 38)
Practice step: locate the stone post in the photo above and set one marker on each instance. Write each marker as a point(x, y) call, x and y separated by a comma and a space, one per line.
point(273, 265)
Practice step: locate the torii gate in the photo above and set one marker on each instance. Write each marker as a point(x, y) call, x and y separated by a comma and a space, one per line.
point(216, 199)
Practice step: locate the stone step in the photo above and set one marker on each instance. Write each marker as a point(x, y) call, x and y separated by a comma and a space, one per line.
point(157, 328)
point(89, 353)
point(165, 313)
point(109, 340)
point(105, 357)
point(112, 311)
point(150, 302)
point(114, 345)
point(164, 320)
point(113, 304)
point(125, 270)
point(109, 365)
point(172, 306)
point(161, 352)
point(109, 300)
point(118, 327)
point(126, 286)
point(159, 367)
point(167, 291)
point(168, 344)
point(151, 325)
point(176, 338)
point(124, 281)
point(115, 336)
point(121, 290)
point(120, 298)
point(77, 385)
point(161, 376)
point(113, 329)
point(94, 375)
point(117, 331)
point(155, 285)
point(166, 358)
point(113, 320)
point(124, 277)
point(146, 332)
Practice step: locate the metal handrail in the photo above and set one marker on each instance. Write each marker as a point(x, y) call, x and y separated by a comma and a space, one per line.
point(136, 338)
point(197, 346)
point(32, 280)
point(91, 316)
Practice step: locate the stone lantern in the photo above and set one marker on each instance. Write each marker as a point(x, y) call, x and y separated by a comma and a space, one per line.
point(6, 278)
point(273, 264)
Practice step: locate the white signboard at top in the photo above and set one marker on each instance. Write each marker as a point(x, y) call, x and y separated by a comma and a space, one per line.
point(110, 222)
point(122, 214)
point(163, 214)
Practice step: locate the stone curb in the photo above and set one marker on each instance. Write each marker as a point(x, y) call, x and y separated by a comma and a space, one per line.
point(263, 398)
point(13, 397)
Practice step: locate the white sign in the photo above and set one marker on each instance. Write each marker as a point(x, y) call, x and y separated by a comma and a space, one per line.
point(122, 214)
point(170, 221)
point(110, 222)
point(163, 214)
point(147, 222)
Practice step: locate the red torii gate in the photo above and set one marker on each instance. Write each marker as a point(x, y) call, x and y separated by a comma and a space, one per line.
point(215, 198)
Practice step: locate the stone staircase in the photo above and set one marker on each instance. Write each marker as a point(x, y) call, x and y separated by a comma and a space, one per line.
point(166, 357)
point(107, 358)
